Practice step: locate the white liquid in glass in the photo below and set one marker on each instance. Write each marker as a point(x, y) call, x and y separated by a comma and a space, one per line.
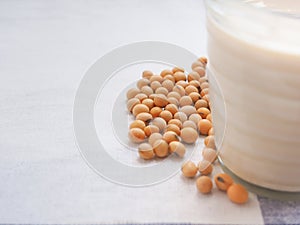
point(256, 61)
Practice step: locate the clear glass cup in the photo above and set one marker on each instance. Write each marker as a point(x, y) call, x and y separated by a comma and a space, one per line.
point(254, 56)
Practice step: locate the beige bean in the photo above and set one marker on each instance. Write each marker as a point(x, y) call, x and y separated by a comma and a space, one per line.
point(209, 154)
point(180, 116)
point(203, 79)
point(174, 128)
point(150, 129)
point(168, 85)
point(193, 76)
point(132, 92)
point(223, 181)
point(160, 100)
point(147, 90)
point(204, 92)
point(160, 123)
point(197, 63)
point(204, 184)
point(204, 85)
point(142, 82)
point(147, 74)
point(176, 122)
point(152, 96)
point(174, 94)
point(185, 100)
point(146, 117)
point(209, 142)
point(156, 78)
point(154, 137)
point(237, 193)
point(170, 77)
point(137, 124)
point(190, 88)
point(172, 108)
point(155, 111)
point(188, 110)
point(155, 84)
point(170, 136)
point(146, 151)
point(136, 135)
point(173, 100)
point(200, 70)
point(201, 103)
point(189, 123)
point(180, 90)
point(139, 108)
point(161, 148)
point(205, 167)
point(177, 69)
point(141, 96)
point(189, 135)
point(203, 126)
point(203, 60)
point(166, 72)
point(148, 102)
point(203, 112)
point(195, 83)
point(166, 115)
point(182, 83)
point(131, 103)
point(162, 90)
point(177, 148)
point(189, 169)
point(194, 96)
point(195, 118)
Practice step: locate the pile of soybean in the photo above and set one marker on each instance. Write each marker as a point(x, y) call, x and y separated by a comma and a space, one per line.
point(172, 109)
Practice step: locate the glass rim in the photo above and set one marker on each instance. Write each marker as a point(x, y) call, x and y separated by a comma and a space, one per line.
point(252, 6)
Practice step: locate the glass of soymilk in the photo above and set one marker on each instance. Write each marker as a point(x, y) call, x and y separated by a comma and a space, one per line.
point(254, 58)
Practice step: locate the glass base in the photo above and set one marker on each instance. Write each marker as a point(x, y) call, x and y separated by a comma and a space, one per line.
point(262, 191)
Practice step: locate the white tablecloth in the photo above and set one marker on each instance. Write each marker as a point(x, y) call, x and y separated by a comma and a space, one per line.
point(45, 49)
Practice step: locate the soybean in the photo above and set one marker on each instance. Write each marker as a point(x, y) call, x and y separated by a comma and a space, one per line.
point(160, 123)
point(189, 135)
point(131, 103)
point(150, 129)
point(204, 184)
point(146, 151)
point(139, 108)
point(205, 167)
point(223, 181)
point(174, 128)
point(146, 117)
point(160, 100)
point(203, 126)
point(189, 169)
point(170, 136)
point(161, 148)
point(155, 111)
point(136, 135)
point(132, 92)
point(237, 193)
point(137, 124)
point(154, 137)
point(147, 74)
point(177, 148)
point(166, 115)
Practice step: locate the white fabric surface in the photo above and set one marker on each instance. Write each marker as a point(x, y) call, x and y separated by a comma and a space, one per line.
point(45, 49)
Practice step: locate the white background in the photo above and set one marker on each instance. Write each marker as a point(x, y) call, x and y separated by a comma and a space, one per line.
point(45, 49)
